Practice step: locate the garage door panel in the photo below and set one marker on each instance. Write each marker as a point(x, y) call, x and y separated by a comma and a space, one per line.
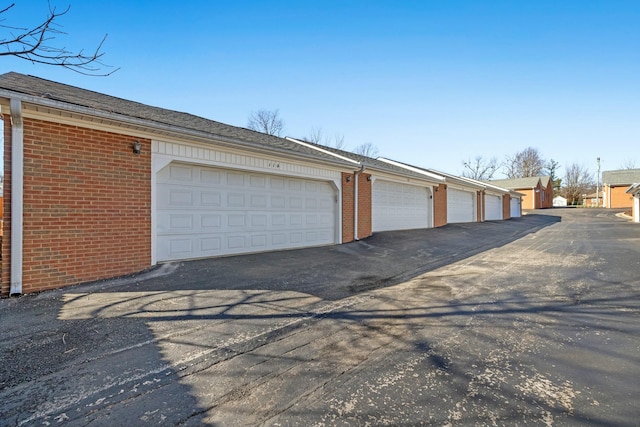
point(461, 206)
point(247, 212)
point(515, 207)
point(397, 206)
point(493, 207)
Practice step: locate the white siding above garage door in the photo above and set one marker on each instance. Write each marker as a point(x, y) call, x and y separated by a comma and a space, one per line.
point(398, 206)
point(492, 207)
point(461, 206)
point(205, 211)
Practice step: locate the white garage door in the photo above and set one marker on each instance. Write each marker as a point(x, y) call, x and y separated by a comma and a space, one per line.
point(398, 206)
point(461, 206)
point(515, 207)
point(203, 212)
point(492, 207)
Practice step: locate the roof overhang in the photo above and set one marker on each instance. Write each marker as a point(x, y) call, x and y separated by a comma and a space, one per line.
point(430, 175)
point(634, 189)
point(38, 106)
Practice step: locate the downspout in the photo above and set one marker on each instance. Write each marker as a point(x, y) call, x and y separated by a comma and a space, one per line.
point(17, 188)
point(355, 202)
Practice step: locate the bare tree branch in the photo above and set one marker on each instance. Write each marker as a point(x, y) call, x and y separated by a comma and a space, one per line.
point(315, 135)
point(628, 164)
point(525, 163)
point(266, 121)
point(367, 149)
point(480, 168)
point(577, 182)
point(32, 44)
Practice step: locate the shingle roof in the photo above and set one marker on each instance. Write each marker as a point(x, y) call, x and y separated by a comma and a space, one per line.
point(41, 89)
point(516, 183)
point(369, 161)
point(621, 177)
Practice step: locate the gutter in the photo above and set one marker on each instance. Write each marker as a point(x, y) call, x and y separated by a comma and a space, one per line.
point(17, 194)
point(314, 147)
point(433, 176)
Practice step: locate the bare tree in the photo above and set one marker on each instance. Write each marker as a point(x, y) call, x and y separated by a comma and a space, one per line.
point(367, 149)
point(266, 121)
point(34, 45)
point(629, 164)
point(480, 168)
point(338, 141)
point(577, 182)
point(525, 163)
point(317, 137)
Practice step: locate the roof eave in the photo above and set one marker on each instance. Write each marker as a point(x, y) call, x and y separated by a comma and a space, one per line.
point(158, 127)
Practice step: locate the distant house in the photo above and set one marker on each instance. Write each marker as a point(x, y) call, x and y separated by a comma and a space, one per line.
point(593, 200)
point(537, 190)
point(634, 191)
point(615, 184)
point(559, 202)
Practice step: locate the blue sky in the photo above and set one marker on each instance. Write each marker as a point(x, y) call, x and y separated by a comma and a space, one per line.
point(432, 83)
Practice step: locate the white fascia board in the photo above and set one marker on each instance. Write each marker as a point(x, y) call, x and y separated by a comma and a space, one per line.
point(433, 176)
point(314, 147)
point(634, 189)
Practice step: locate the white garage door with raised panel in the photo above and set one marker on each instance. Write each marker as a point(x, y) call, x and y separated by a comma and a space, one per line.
point(398, 206)
point(515, 207)
point(204, 211)
point(492, 207)
point(461, 206)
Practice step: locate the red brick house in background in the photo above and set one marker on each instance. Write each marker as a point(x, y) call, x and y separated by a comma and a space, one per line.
point(537, 191)
point(614, 186)
point(97, 187)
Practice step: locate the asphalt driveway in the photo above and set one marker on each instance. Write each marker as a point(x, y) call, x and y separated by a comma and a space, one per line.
point(532, 321)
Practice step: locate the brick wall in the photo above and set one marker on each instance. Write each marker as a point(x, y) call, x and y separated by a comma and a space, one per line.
point(364, 206)
point(440, 205)
point(506, 206)
point(548, 197)
point(347, 207)
point(619, 198)
point(480, 206)
point(87, 206)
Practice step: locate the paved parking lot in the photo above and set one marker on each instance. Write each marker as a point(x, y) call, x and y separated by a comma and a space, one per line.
point(533, 321)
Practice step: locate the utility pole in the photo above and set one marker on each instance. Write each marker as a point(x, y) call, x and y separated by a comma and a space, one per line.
point(598, 185)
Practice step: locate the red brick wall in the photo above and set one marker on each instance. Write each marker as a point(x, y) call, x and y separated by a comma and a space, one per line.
point(440, 205)
point(347, 207)
point(506, 206)
point(364, 206)
point(619, 198)
point(548, 197)
point(480, 205)
point(87, 206)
